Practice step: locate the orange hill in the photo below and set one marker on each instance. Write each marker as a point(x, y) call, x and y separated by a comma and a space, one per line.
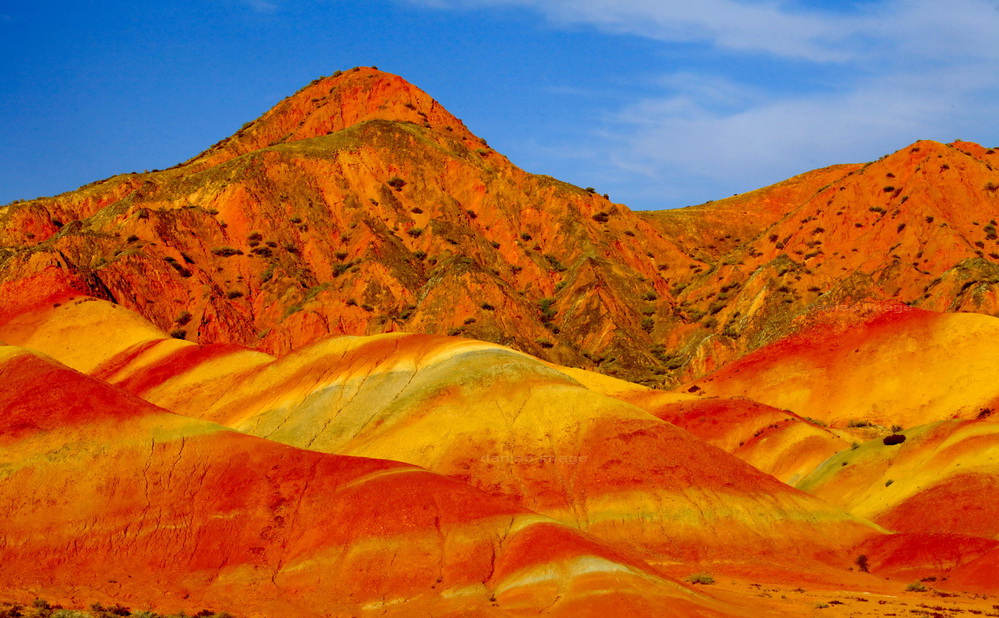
point(774, 441)
point(492, 417)
point(107, 496)
point(852, 366)
point(360, 206)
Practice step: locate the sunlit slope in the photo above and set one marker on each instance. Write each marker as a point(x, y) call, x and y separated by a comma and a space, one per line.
point(916, 555)
point(897, 368)
point(358, 205)
point(81, 331)
point(918, 226)
point(775, 441)
point(941, 479)
point(510, 425)
point(106, 494)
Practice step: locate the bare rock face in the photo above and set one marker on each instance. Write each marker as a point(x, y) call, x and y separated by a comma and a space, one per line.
point(359, 205)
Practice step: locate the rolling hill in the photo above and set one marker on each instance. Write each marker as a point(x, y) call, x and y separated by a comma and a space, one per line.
point(352, 361)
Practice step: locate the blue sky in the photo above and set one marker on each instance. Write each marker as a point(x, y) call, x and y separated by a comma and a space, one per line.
point(658, 103)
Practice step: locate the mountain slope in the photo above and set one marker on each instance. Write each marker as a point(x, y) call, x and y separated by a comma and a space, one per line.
point(106, 494)
point(359, 206)
point(492, 417)
point(343, 211)
point(916, 227)
point(897, 367)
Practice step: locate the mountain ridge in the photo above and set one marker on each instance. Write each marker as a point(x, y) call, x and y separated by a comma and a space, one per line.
point(359, 205)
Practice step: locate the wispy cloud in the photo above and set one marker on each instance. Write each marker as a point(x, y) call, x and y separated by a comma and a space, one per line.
point(745, 26)
point(889, 73)
point(261, 6)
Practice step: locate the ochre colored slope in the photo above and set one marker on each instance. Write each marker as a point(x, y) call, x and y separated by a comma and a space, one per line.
point(914, 556)
point(775, 441)
point(978, 575)
point(332, 104)
point(105, 495)
point(343, 211)
point(900, 367)
point(711, 230)
point(937, 480)
point(510, 426)
point(360, 206)
point(918, 226)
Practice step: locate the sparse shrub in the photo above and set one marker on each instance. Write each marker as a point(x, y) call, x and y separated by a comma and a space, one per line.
point(396, 183)
point(415, 232)
point(417, 211)
point(601, 217)
point(226, 251)
point(234, 294)
point(488, 307)
point(494, 245)
point(991, 187)
point(888, 189)
point(182, 318)
point(861, 563)
point(703, 579)
point(178, 334)
point(181, 270)
point(648, 324)
point(889, 483)
point(132, 238)
point(895, 438)
point(915, 587)
point(544, 343)
point(420, 255)
point(896, 428)
point(262, 252)
point(525, 236)
point(555, 264)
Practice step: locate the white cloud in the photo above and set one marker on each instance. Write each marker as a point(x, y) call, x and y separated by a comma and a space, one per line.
point(935, 74)
point(890, 73)
point(771, 139)
point(261, 6)
point(730, 24)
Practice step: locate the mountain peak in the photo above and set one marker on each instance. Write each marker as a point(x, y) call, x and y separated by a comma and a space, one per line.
point(330, 104)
